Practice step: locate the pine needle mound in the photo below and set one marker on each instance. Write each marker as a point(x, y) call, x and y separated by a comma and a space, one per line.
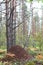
point(16, 53)
point(19, 52)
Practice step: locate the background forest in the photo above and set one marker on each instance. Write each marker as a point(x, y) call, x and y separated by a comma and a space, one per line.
point(28, 23)
point(21, 23)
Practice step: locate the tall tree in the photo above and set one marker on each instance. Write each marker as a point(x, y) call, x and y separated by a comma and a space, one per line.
point(14, 21)
point(31, 16)
point(42, 21)
point(0, 16)
point(24, 10)
point(10, 31)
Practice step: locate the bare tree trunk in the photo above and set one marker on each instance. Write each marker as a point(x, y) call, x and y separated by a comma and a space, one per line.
point(31, 19)
point(23, 18)
point(42, 22)
point(33, 27)
point(14, 23)
point(9, 24)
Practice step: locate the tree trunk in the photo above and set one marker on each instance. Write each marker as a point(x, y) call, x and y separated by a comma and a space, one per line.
point(14, 23)
point(10, 33)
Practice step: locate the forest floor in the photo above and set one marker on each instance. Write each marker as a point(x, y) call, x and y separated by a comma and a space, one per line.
point(38, 57)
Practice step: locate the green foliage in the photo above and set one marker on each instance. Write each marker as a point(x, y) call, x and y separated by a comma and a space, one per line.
point(36, 0)
point(33, 52)
point(30, 63)
point(3, 36)
point(29, 0)
point(3, 47)
point(39, 38)
point(36, 41)
point(32, 41)
point(22, 40)
point(40, 0)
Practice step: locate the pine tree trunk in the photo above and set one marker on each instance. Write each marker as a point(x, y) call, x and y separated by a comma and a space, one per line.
point(10, 32)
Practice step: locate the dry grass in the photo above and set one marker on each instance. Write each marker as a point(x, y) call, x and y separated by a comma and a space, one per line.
point(40, 57)
point(2, 51)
